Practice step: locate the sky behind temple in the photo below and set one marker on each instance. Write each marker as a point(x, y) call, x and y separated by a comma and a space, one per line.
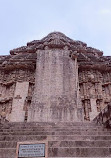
point(22, 21)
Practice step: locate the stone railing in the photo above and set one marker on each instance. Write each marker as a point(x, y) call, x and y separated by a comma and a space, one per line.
point(104, 117)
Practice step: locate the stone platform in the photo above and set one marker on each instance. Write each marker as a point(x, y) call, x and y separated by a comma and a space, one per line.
point(64, 139)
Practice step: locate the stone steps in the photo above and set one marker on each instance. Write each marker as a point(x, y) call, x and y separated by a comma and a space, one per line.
point(77, 144)
point(52, 129)
point(79, 152)
point(65, 144)
point(44, 133)
point(50, 137)
point(7, 153)
point(65, 152)
point(64, 140)
point(50, 124)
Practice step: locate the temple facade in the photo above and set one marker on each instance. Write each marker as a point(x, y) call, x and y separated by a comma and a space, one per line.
point(55, 79)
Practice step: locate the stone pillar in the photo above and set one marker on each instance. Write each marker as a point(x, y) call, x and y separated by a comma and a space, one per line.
point(56, 88)
point(20, 94)
point(94, 111)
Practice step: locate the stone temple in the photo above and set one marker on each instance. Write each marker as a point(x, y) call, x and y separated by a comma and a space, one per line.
point(56, 89)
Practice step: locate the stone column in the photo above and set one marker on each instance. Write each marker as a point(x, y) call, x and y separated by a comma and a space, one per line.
point(20, 94)
point(56, 88)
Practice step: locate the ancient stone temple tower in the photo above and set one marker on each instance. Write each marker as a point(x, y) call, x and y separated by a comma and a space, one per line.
point(55, 79)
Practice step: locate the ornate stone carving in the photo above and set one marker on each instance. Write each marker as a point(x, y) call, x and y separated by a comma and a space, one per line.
point(93, 73)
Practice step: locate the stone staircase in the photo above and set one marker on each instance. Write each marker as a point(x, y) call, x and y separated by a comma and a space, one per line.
point(64, 139)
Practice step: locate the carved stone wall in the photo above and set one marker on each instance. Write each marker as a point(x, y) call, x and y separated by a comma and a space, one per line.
point(63, 78)
point(95, 90)
point(9, 108)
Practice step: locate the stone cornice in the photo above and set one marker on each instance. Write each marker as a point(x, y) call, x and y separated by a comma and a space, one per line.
point(56, 40)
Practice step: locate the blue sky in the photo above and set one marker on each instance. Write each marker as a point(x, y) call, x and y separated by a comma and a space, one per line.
point(22, 21)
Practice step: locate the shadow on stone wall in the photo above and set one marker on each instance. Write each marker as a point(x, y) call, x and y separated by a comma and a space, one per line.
point(104, 117)
point(3, 120)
